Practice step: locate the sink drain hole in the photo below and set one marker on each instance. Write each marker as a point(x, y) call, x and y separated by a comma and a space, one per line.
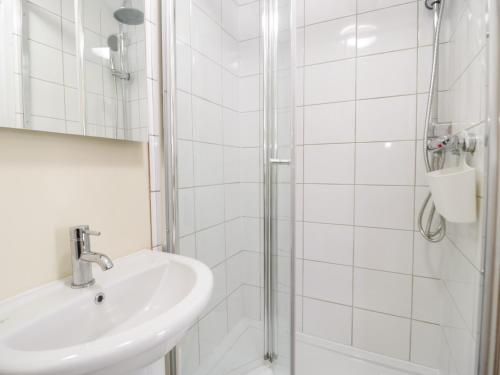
point(99, 298)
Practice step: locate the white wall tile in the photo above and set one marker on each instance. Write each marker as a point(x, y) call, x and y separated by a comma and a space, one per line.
point(381, 333)
point(210, 7)
point(235, 308)
point(209, 206)
point(248, 20)
point(186, 211)
point(249, 57)
point(384, 206)
point(387, 74)
point(184, 116)
point(428, 257)
point(329, 282)
point(252, 297)
point(329, 203)
point(249, 129)
point(230, 90)
point(427, 296)
point(47, 99)
point(206, 78)
point(386, 119)
point(250, 170)
point(328, 243)
point(382, 291)
point(45, 62)
point(425, 344)
point(383, 249)
point(388, 29)
point(44, 26)
point(332, 40)
point(329, 164)
point(330, 123)
point(327, 320)
point(208, 164)
point(183, 63)
point(385, 163)
point(207, 121)
point(206, 35)
point(230, 122)
point(230, 52)
point(329, 82)
point(249, 93)
point(250, 206)
point(210, 245)
point(323, 10)
point(230, 17)
point(183, 24)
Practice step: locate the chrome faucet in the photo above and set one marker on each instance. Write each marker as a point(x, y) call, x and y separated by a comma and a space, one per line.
point(82, 257)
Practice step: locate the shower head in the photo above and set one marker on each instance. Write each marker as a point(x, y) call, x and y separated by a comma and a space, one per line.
point(113, 42)
point(129, 16)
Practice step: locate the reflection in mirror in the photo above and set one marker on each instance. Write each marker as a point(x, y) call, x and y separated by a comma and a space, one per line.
point(85, 77)
point(8, 88)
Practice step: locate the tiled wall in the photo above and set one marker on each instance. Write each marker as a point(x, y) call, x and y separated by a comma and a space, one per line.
point(52, 94)
point(219, 175)
point(366, 277)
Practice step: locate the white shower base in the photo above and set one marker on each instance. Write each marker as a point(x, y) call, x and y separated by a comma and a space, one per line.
point(241, 354)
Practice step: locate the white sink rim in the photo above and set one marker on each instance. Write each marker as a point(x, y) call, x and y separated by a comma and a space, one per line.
point(108, 350)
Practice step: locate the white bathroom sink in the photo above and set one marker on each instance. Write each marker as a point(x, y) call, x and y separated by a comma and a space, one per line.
point(150, 300)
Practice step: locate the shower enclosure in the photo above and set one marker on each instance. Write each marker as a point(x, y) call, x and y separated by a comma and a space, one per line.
point(376, 285)
point(231, 178)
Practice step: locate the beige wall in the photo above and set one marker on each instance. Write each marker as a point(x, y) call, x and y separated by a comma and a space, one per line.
point(49, 182)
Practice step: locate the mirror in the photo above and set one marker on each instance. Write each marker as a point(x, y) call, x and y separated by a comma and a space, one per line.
point(79, 67)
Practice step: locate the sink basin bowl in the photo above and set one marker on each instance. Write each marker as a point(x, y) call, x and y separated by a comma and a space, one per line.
point(133, 315)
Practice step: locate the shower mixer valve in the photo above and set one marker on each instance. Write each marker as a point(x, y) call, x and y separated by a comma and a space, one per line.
point(455, 143)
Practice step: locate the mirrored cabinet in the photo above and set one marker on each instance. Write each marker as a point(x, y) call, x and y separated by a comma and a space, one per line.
point(79, 67)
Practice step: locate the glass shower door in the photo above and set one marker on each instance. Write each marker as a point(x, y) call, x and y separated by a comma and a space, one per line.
point(230, 148)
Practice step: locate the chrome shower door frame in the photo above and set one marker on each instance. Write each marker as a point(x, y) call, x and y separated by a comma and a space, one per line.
point(271, 163)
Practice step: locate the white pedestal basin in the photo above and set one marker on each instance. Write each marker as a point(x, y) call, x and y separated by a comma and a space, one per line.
point(150, 299)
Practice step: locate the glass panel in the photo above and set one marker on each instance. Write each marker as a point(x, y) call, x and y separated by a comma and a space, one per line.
point(221, 163)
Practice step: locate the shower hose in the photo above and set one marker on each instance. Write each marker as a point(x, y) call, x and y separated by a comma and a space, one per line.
point(433, 160)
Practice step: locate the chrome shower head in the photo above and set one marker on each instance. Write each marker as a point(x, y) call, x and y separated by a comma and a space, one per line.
point(129, 16)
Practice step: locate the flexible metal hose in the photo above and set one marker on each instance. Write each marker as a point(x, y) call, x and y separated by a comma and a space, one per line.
point(434, 160)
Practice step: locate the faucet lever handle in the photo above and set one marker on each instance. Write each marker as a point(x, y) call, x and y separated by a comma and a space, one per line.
point(92, 232)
